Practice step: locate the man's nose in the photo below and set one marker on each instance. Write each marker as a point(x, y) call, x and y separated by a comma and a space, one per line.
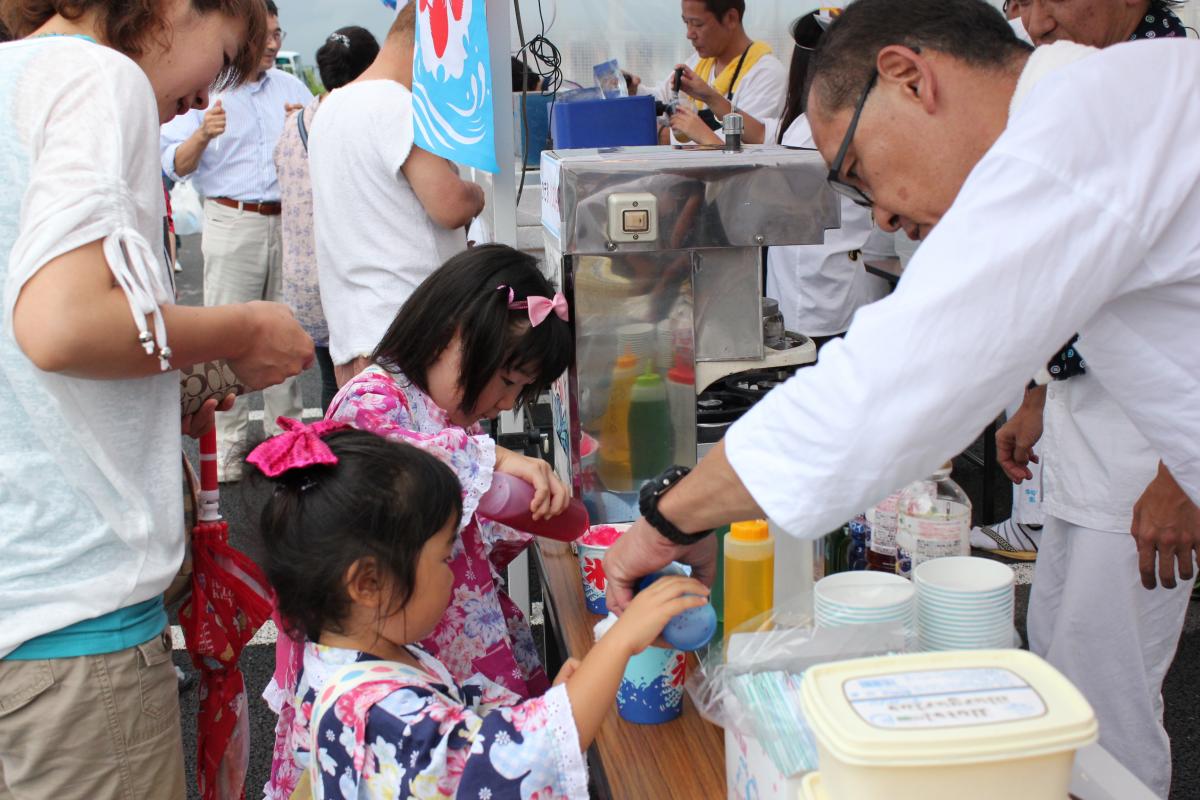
point(885, 220)
point(201, 99)
point(1038, 22)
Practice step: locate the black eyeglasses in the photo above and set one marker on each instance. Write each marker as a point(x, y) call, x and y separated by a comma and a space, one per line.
point(853, 193)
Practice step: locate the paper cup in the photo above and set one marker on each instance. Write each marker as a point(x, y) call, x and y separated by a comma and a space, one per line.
point(651, 689)
point(591, 566)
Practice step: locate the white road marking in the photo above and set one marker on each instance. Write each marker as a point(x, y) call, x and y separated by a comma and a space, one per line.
point(309, 413)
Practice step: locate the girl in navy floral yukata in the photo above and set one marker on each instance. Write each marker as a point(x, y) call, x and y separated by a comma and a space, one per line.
point(359, 535)
point(484, 332)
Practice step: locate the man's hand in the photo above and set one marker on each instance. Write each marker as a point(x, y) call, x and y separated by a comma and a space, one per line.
point(691, 85)
point(214, 122)
point(1016, 438)
point(687, 122)
point(1166, 525)
point(288, 108)
point(642, 550)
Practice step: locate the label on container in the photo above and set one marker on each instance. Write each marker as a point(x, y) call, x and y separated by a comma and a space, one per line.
point(949, 698)
point(944, 531)
point(883, 522)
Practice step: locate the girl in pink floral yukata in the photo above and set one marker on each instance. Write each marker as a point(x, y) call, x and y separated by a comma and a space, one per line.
point(360, 535)
point(483, 333)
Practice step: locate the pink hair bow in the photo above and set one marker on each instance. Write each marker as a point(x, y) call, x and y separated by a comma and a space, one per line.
point(539, 307)
point(297, 447)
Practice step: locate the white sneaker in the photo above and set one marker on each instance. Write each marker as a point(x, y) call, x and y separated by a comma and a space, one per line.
point(1008, 539)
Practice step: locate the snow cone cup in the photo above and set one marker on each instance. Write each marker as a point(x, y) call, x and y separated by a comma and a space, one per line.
point(651, 689)
point(592, 547)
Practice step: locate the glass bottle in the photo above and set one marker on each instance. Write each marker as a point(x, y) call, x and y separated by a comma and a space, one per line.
point(934, 521)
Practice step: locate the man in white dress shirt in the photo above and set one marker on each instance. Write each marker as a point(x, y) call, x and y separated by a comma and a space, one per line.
point(228, 154)
point(1075, 213)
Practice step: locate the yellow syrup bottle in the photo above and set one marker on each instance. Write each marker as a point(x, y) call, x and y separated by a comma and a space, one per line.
point(614, 466)
point(749, 572)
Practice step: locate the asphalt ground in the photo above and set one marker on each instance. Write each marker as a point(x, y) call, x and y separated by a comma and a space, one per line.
point(240, 504)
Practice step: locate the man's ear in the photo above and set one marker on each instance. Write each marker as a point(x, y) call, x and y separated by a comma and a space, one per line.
point(364, 584)
point(909, 71)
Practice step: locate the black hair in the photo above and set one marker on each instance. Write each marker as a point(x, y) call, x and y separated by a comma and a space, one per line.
point(383, 500)
point(969, 30)
point(806, 34)
point(345, 55)
point(272, 9)
point(523, 77)
point(463, 296)
point(719, 8)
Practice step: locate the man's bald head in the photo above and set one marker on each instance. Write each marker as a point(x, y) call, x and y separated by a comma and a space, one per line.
point(969, 30)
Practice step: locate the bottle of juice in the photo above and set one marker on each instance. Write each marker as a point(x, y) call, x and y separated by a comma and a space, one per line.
point(681, 398)
point(508, 499)
point(881, 551)
point(614, 432)
point(649, 426)
point(934, 521)
point(749, 572)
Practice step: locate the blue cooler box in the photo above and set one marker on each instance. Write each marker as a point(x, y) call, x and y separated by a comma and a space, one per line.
point(620, 121)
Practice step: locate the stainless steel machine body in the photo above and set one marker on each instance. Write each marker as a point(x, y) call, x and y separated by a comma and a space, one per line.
point(659, 252)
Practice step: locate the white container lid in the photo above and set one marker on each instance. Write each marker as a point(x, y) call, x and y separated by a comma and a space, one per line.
point(956, 707)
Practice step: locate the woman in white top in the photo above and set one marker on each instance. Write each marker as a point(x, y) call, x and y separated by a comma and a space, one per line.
point(90, 482)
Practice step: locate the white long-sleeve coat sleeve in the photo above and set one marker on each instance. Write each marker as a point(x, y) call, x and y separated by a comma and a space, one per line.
point(923, 371)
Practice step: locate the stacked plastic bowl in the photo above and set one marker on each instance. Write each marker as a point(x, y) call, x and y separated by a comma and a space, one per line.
point(964, 603)
point(863, 598)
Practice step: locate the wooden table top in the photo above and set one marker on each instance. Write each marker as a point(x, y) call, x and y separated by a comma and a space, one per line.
point(682, 759)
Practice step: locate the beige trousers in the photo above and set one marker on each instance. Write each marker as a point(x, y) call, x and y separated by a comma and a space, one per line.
point(243, 261)
point(92, 728)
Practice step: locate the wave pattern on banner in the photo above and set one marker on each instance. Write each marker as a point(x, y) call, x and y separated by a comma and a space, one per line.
point(452, 85)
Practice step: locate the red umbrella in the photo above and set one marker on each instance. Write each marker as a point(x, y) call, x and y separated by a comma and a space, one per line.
point(230, 601)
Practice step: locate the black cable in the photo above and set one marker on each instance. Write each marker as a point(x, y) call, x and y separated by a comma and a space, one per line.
point(549, 72)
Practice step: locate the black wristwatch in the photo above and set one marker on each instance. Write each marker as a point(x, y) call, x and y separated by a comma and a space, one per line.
point(648, 498)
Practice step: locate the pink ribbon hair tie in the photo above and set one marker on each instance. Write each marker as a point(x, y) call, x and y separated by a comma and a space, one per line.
point(299, 446)
point(539, 307)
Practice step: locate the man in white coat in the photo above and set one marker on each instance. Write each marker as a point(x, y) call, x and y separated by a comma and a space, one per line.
point(1089, 614)
point(1059, 202)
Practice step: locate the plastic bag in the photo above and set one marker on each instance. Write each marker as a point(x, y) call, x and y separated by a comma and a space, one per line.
point(186, 209)
point(750, 684)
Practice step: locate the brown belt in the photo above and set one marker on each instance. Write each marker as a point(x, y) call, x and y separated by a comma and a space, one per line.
point(266, 209)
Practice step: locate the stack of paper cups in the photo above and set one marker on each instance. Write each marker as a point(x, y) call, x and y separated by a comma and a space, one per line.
point(863, 598)
point(964, 603)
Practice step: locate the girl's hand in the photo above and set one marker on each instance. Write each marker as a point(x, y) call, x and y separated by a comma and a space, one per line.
point(550, 495)
point(653, 607)
point(568, 669)
point(687, 122)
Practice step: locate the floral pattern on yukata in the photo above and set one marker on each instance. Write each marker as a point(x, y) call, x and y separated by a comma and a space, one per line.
point(483, 631)
point(301, 292)
point(422, 735)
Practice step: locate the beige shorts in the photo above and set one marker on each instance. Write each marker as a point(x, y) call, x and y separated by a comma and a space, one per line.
point(93, 727)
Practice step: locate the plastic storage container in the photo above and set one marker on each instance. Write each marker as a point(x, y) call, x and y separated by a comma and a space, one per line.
point(508, 500)
point(933, 521)
point(984, 724)
point(749, 572)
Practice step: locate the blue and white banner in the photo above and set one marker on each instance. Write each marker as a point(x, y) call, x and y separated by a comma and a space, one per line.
point(452, 83)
